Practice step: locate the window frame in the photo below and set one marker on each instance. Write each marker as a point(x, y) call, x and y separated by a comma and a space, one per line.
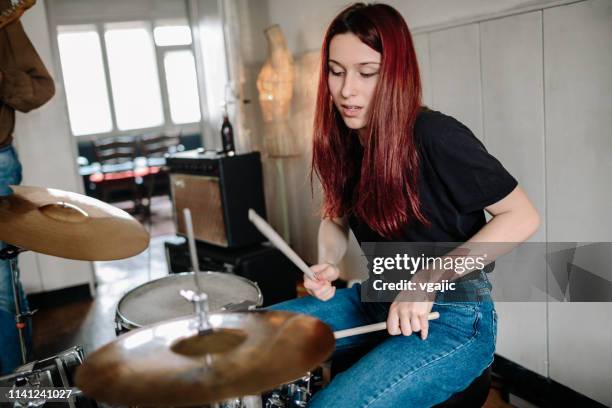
point(167, 124)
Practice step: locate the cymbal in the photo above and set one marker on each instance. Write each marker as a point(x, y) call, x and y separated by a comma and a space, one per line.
point(69, 225)
point(166, 365)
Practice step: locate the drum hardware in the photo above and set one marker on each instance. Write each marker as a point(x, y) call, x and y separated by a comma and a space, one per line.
point(56, 371)
point(10, 253)
point(244, 305)
point(295, 394)
point(200, 304)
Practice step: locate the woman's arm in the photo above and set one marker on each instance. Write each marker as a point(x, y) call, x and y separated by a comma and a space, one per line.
point(332, 245)
point(514, 220)
point(333, 240)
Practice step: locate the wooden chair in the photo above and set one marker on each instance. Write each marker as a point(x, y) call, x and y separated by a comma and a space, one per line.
point(117, 170)
point(155, 148)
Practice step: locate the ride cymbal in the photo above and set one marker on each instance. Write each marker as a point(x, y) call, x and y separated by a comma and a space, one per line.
point(169, 364)
point(69, 225)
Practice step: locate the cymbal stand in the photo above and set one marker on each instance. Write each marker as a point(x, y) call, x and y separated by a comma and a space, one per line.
point(10, 253)
point(200, 303)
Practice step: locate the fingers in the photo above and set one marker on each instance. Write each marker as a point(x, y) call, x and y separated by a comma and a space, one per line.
point(424, 326)
point(325, 271)
point(321, 289)
point(312, 285)
point(408, 318)
point(326, 293)
point(393, 321)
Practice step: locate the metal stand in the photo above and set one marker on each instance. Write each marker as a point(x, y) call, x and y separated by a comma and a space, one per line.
point(200, 303)
point(10, 253)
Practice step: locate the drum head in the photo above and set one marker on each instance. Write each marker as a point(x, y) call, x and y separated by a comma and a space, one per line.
point(160, 299)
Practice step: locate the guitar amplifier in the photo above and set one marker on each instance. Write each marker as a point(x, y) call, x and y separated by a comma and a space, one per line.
point(219, 190)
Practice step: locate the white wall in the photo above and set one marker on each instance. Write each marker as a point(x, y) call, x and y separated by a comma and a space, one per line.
point(46, 150)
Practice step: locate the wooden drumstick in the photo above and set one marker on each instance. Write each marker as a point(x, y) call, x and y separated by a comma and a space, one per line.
point(372, 328)
point(279, 242)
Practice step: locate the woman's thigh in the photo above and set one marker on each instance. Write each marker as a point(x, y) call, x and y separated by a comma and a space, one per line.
point(407, 371)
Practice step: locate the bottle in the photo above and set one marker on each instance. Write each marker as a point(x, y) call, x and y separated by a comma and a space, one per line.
point(227, 136)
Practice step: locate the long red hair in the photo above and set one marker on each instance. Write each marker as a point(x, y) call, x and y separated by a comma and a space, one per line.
point(382, 188)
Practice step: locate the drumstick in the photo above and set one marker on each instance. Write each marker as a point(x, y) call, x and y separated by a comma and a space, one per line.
point(372, 328)
point(279, 242)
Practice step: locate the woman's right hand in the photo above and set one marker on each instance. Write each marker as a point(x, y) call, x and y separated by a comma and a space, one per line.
point(321, 288)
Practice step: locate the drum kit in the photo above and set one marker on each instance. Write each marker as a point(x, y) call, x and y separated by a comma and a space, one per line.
point(190, 339)
point(165, 354)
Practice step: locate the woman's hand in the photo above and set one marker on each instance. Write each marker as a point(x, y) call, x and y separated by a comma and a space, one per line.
point(321, 288)
point(406, 317)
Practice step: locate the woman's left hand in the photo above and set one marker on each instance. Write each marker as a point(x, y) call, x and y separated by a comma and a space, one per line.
point(406, 317)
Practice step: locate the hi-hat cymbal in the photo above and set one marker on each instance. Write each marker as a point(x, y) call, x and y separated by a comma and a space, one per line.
point(166, 365)
point(69, 225)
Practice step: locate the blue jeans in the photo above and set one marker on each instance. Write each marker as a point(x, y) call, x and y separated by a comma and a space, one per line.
point(10, 355)
point(404, 370)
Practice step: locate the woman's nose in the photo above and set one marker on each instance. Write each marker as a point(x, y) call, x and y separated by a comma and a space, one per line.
point(349, 87)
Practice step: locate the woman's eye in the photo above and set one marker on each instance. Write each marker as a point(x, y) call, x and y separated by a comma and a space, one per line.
point(368, 75)
point(335, 73)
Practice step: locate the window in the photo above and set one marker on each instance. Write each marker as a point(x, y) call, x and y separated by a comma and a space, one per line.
point(134, 77)
point(172, 35)
point(127, 76)
point(182, 86)
point(84, 80)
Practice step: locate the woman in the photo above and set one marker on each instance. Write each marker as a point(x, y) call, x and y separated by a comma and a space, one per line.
point(394, 171)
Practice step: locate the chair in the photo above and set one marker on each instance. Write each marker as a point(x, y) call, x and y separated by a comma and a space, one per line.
point(473, 396)
point(155, 148)
point(117, 172)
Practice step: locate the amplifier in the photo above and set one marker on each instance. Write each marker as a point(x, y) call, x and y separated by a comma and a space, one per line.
point(219, 190)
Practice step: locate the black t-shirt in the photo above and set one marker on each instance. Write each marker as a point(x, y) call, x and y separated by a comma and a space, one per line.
point(458, 179)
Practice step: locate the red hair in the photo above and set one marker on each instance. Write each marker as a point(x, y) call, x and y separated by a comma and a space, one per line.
point(382, 189)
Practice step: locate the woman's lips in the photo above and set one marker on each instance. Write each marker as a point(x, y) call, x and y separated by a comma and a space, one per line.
point(351, 111)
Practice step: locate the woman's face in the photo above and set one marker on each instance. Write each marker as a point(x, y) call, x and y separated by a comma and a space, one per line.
point(353, 75)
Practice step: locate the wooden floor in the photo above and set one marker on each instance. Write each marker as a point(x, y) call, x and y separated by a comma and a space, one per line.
point(90, 323)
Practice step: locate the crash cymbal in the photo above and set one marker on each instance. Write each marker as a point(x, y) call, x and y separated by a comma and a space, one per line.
point(69, 225)
point(166, 364)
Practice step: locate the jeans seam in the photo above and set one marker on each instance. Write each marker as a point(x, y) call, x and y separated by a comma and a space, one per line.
point(457, 304)
point(402, 378)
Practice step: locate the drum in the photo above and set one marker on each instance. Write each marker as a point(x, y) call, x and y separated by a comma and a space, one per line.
point(294, 394)
point(57, 371)
point(161, 300)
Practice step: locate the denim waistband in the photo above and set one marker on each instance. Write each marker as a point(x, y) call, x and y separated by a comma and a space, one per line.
point(476, 288)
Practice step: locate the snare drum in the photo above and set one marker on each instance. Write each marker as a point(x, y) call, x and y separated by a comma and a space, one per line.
point(161, 300)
